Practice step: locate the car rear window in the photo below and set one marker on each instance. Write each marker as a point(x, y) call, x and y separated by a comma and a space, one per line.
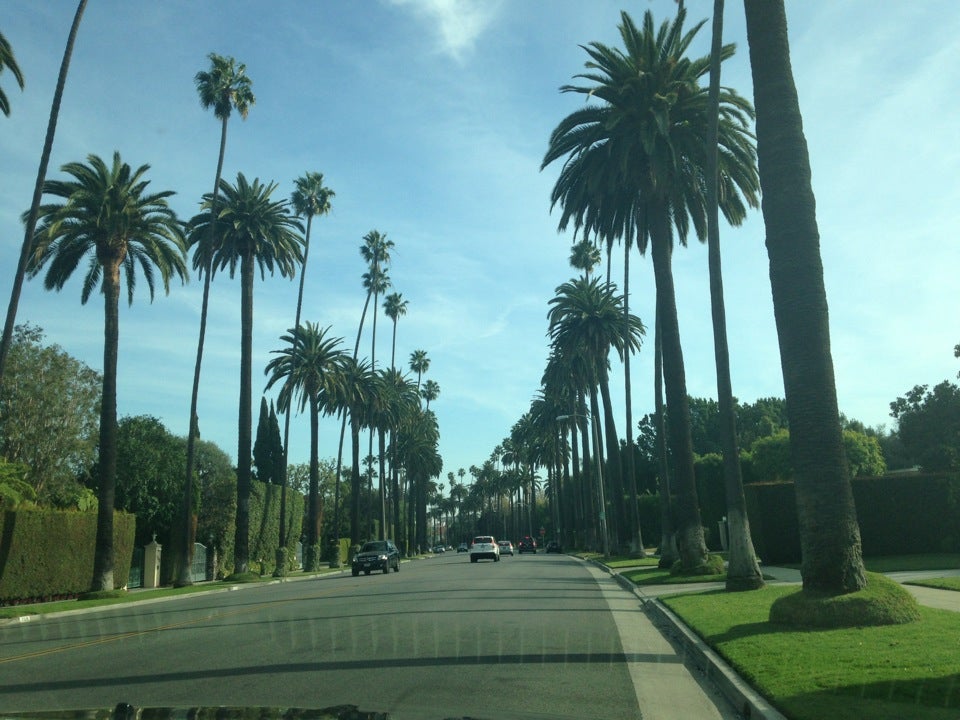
point(483, 539)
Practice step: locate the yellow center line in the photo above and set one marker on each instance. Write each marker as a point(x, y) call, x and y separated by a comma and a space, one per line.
point(159, 628)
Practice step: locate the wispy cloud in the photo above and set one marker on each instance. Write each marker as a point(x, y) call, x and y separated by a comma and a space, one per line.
point(457, 23)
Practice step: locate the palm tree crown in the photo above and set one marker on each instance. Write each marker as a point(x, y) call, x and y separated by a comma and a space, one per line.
point(225, 86)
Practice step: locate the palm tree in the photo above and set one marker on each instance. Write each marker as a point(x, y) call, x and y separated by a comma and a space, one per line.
point(636, 168)
point(584, 256)
point(310, 197)
point(419, 363)
point(352, 400)
point(8, 62)
point(31, 221)
point(394, 307)
point(376, 251)
point(586, 318)
point(108, 215)
point(743, 569)
point(829, 534)
point(417, 449)
point(310, 367)
point(224, 87)
point(430, 391)
point(257, 232)
point(401, 401)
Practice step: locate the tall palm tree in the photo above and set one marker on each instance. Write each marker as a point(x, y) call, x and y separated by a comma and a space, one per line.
point(584, 256)
point(310, 197)
point(743, 569)
point(225, 87)
point(352, 400)
point(8, 62)
point(430, 392)
point(417, 449)
point(108, 215)
point(636, 168)
point(394, 307)
point(419, 363)
point(829, 534)
point(31, 220)
point(256, 231)
point(401, 400)
point(310, 367)
point(586, 318)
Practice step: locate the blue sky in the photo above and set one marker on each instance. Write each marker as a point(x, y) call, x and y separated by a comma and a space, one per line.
point(429, 119)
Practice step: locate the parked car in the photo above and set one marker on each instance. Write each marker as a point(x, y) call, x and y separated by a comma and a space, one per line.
point(437, 549)
point(376, 555)
point(554, 547)
point(528, 544)
point(506, 547)
point(463, 547)
point(484, 547)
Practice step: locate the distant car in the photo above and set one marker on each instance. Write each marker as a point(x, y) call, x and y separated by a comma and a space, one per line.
point(554, 547)
point(376, 555)
point(484, 547)
point(463, 547)
point(437, 549)
point(528, 544)
point(506, 547)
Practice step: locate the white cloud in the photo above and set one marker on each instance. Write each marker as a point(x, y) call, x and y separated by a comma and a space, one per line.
point(457, 23)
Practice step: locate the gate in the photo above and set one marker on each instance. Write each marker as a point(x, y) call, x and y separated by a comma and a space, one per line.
point(198, 570)
point(135, 578)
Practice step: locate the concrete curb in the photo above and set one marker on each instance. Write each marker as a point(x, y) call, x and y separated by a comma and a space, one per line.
point(747, 701)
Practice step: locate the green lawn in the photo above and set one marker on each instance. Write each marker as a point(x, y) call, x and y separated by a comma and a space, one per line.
point(900, 563)
point(656, 576)
point(880, 673)
point(944, 583)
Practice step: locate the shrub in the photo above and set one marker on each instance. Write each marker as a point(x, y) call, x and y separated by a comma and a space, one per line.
point(881, 602)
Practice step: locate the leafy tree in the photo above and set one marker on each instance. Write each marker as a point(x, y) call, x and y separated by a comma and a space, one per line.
point(32, 214)
point(225, 87)
point(263, 446)
point(8, 62)
point(216, 478)
point(48, 416)
point(15, 489)
point(772, 460)
point(149, 478)
point(830, 544)
point(257, 232)
point(107, 214)
point(928, 425)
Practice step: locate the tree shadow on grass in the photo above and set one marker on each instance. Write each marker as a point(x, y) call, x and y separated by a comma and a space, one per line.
point(933, 698)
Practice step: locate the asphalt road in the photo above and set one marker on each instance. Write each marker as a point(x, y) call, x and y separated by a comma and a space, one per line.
point(532, 636)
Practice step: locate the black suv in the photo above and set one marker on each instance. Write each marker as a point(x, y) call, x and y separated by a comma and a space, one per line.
point(528, 544)
point(376, 555)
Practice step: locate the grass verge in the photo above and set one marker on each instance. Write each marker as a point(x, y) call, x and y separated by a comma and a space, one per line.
point(944, 583)
point(882, 673)
point(657, 576)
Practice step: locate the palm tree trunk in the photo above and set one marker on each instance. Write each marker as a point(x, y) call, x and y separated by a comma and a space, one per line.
point(355, 484)
point(31, 224)
point(603, 529)
point(668, 536)
point(241, 545)
point(383, 483)
point(282, 539)
point(614, 467)
point(636, 535)
point(312, 555)
point(103, 558)
point(183, 576)
point(693, 549)
point(743, 570)
point(829, 534)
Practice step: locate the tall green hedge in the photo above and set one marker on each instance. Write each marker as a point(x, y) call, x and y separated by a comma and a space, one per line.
point(47, 554)
point(898, 514)
point(265, 528)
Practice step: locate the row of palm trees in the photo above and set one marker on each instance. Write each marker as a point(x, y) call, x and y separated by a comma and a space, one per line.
point(657, 154)
point(106, 214)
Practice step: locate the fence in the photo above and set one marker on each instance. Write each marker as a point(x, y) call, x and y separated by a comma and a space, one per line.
point(136, 569)
point(198, 570)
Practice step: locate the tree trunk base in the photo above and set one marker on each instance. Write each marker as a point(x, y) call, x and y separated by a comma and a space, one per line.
point(742, 584)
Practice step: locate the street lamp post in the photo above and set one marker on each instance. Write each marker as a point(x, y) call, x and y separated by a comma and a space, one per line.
point(596, 455)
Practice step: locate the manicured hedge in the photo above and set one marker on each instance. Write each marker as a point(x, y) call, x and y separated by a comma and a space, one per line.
point(898, 514)
point(265, 528)
point(48, 554)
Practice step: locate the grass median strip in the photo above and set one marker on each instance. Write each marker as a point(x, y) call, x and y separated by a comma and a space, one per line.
point(882, 673)
point(943, 583)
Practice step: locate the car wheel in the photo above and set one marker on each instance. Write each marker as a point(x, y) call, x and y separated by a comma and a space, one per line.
point(396, 568)
point(366, 572)
point(355, 572)
point(496, 558)
point(473, 558)
point(386, 568)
